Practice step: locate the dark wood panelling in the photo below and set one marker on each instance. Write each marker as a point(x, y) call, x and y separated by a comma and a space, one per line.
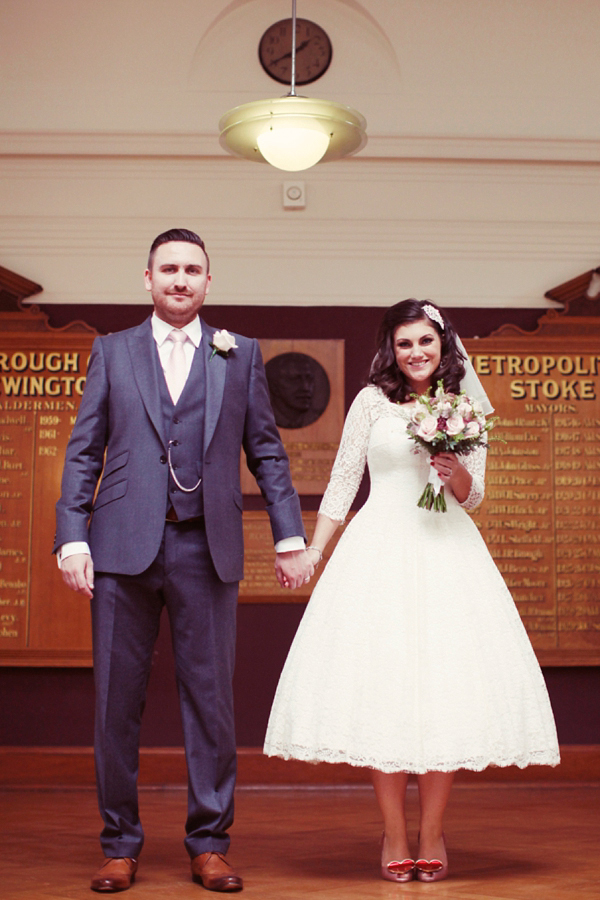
point(48, 707)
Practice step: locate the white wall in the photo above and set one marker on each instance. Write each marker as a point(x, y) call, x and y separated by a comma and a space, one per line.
point(479, 185)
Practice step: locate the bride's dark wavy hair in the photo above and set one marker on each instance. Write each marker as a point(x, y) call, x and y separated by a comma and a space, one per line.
point(384, 369)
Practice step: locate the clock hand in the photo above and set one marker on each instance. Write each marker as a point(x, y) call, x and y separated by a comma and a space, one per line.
point(286, 55)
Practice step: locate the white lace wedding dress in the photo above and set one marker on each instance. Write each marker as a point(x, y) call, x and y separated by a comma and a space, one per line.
point(411, 655)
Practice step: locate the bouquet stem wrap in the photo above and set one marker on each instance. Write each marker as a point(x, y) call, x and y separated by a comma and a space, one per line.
point(433, 495)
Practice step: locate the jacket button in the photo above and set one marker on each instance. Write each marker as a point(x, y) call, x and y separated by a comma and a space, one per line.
point(175, 443)
point(163, 459)
point(175, 420)
point(173, 490)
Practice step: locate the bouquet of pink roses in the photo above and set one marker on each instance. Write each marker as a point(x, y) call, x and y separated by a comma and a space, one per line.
point(446, 423)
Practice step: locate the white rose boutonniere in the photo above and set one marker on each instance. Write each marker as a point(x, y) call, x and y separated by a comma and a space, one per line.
point(222, 343)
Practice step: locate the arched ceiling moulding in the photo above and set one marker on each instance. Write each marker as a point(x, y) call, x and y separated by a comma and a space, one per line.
point(226, 71)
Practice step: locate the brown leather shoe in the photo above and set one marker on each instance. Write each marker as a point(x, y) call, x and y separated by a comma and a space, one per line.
point(116, 874)
point(214, 873)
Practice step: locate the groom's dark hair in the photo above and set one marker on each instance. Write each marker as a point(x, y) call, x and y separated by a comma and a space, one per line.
point(177, 234)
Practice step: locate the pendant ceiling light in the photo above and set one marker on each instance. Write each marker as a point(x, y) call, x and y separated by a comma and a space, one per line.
point(291, 132)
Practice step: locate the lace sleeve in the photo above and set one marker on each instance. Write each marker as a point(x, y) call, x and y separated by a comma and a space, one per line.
point(475, 464)
point(349, 465)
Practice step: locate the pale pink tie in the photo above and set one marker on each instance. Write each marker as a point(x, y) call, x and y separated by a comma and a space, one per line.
point(175, 368)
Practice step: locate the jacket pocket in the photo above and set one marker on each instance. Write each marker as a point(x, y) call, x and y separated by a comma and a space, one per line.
point(112, 492)
point(112, 464)
point(113, 483)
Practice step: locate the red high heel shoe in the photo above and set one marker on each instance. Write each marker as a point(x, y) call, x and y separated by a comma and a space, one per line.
point(397, 871)
point(431, 869)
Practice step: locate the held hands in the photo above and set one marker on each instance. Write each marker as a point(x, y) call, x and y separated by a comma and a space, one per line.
point(310, 557)
point(78, 573)
point(293, 568)
point(296, 567)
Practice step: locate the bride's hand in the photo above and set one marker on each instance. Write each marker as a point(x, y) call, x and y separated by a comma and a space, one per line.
point(446, 465)
point(453, 473)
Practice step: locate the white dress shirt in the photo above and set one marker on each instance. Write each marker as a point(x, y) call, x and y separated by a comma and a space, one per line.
point(161, 331)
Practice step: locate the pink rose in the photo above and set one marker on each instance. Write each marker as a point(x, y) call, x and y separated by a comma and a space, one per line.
point(455, 424)
point(472, 429)
point(428, 428)
point(419, 414)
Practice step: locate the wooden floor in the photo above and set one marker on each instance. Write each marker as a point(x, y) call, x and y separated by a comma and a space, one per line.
point(504, 842)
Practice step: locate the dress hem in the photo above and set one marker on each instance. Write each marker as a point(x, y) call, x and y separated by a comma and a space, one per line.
point(545, 758)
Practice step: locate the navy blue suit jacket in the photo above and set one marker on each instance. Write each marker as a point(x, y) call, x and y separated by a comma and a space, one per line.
point(119, 440)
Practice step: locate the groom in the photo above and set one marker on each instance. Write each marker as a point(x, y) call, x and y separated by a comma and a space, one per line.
point(150, 515)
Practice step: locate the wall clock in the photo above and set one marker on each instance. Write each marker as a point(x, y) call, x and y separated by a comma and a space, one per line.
point(313, 51)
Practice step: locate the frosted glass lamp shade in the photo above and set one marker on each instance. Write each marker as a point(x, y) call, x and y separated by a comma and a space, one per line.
point(310, 130)
point(292, 149)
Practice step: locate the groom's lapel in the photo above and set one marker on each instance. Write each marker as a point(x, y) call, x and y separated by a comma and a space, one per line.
point(215, 367)
point(144, 358)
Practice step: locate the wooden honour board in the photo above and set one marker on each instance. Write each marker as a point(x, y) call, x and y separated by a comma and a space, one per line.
point(541, 515)
point(42, 374)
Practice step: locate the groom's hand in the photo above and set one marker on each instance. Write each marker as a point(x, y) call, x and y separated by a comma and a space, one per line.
point(78, 573)
point(293, 568)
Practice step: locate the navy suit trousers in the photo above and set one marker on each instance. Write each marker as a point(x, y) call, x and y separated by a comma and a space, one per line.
point(126, 611)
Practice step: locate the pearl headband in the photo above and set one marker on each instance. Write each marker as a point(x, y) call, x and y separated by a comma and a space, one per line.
point(434, 314)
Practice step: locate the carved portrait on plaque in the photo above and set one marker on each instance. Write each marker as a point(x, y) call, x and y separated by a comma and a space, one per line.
point(306, 385)
point(299, 389)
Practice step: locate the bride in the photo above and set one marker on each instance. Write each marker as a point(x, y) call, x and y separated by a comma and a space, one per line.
point(411, 656)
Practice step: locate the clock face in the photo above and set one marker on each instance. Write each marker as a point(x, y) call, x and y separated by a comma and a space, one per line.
point(313, 51)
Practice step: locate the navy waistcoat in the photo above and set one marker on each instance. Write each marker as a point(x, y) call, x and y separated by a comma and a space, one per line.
point(184, 427)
